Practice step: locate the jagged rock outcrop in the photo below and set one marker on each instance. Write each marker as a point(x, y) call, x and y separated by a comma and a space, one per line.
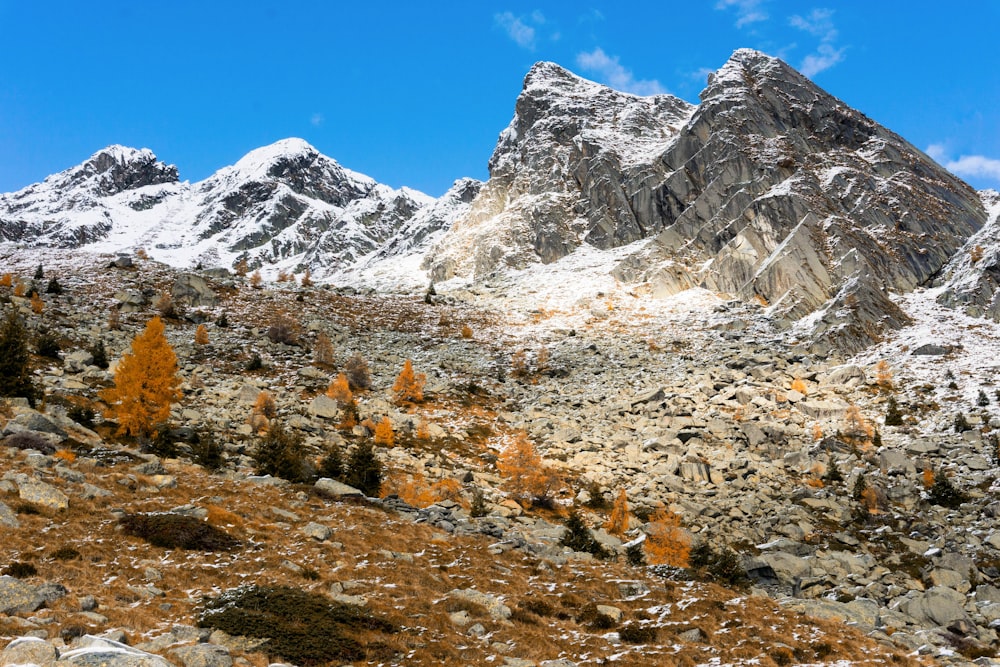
point(564, 172)
point(971, 281)
point(770, 189)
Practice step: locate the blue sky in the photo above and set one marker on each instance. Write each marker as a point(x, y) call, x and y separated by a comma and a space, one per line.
point(416, 93)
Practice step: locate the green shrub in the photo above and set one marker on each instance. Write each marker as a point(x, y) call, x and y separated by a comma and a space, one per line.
point(962, 424)
point(594, 619)
point(943, 493)
point(99, 353)
point(207, 452)
point(280, 453)
point(634, 555)
point(893, 415)
point(364, 470)
point(633, 633)
point(255, 363)
point(595, 497)
point(53, 287)
point(82, 415)
point(20, 570)
point(178, 531)
point(721, 564)
point(303, 628)
point(579, 538)
point(15, 375)
point(65, 553)
point(478, 508)
point(982, 400)
point(332, 463)
point(47, 345)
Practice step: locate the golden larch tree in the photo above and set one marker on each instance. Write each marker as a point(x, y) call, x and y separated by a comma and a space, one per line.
point(618, 521)
point(384, 434)
point(340, 390)
point(7, 280)
point(409, 386)
point(201, 335)
point(528, 478)
point(146, 383)
point(883, 374)
point(37, 305)
point(666, 541)
point(323, 350)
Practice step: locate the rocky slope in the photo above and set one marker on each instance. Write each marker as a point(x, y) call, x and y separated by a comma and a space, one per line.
point(689, 402)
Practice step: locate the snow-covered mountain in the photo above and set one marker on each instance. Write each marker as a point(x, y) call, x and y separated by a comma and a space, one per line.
point(283, 207)
point(769, 190)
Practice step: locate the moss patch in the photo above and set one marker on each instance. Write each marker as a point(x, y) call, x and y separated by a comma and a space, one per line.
point(178, 531)
point(300, 627)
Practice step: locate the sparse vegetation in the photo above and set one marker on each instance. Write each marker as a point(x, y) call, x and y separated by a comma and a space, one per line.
point(579, 538)
point(280, 453)
point(177, 531)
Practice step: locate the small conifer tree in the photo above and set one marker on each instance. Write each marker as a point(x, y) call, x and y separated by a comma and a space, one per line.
point(634, 555)
point(7, 280)
point(332, 463)
point(893, 416)
point(100, 354)
point(667, 544)
point(528, 478)
point(146, 383)
point(39, 272)
point(206, 451)
point(280, 453)
point(307, 278)
point(53, 287)
point(384, 434)
point(364, 470)
point(618, 521)
point(15, 375)
point(579, 538)
point(256, 280)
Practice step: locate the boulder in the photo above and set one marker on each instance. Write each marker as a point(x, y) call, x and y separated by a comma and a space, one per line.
point(325, 407)
point(203, 655)
point(100, 652)
point(40, 493)
point(28, 651)
point(332, 487)
point(18, 597)
point(193, 290)
point(937, 606)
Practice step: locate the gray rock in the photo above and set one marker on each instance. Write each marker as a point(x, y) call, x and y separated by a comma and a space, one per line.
point(193, 290)
point(938, 606)
point(931, 350)
point(203, 655)
point(8, 518)
point(325, 407)
point(332, 487)
point(497, 609)
point(317, 531)
point(28, 651)
point(18, 597)
point(40, 493)
point(826, 409)
point(101, 652)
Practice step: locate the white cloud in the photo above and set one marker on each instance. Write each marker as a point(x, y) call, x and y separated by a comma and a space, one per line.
point(615, 75)
point(316, 119)
point(819, 23)
point(966, 166)
point(826, 56)
point(519, 31)
point(747, 11)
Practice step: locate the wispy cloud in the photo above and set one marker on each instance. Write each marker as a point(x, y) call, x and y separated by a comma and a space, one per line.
point(966, 166)
point(748, 12)
point(520, 29)
point(819, 23)
point(613, 73)
point(316, 119)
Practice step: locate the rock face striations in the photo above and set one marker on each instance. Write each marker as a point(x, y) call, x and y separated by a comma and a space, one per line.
point(769, 190)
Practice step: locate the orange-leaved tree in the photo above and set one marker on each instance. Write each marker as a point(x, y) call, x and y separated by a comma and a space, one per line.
point(618, 521)
point(146, 383)
point(666, 542)
point(528, 479)
point(384, 434)
point(340, 390)
point(409, 386)
point(201, 335)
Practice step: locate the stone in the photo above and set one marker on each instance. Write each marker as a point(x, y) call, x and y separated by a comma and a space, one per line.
point(193, 290)
point(614, 613)
point(203, 655)
point(826, 409)
point(76, 361)
point(335, 489)
point(938, 606)
point(101, 652)
point(494, 605)
point(317, 531)
point(28, 651)
point(325, 407)
point(931, 350)
point(40, 493)
point(8, 518)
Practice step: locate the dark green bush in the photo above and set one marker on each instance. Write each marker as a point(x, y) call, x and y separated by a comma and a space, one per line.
point(53, 287)
point(20, 570)
point(962, 424)
point(255, 363)
point(893, 415)
point(634, 555)
point(721, 564)
point(579, 538)
point(99, 353)
point(207, 452)
point(594, 619)
point(303, 628)
point(364, 470)
point(478, 508)
point(178, 531)
point(65, 553)
point(82, 415)
point(633, 633)
point(332, 463)
point(281, 453)
point(982, 400)
point(15, 374)
point(47, 345)
point(595, 497)
point(944, 493)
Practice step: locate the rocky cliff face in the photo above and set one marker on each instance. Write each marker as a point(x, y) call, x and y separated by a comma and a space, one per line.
point(971, 281)
point(564, 173)
point(770, 189)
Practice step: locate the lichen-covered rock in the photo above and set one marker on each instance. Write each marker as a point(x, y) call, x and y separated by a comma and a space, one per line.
point(18, 597)
point(28, 651)
point(100, 652)
point(40, 493)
